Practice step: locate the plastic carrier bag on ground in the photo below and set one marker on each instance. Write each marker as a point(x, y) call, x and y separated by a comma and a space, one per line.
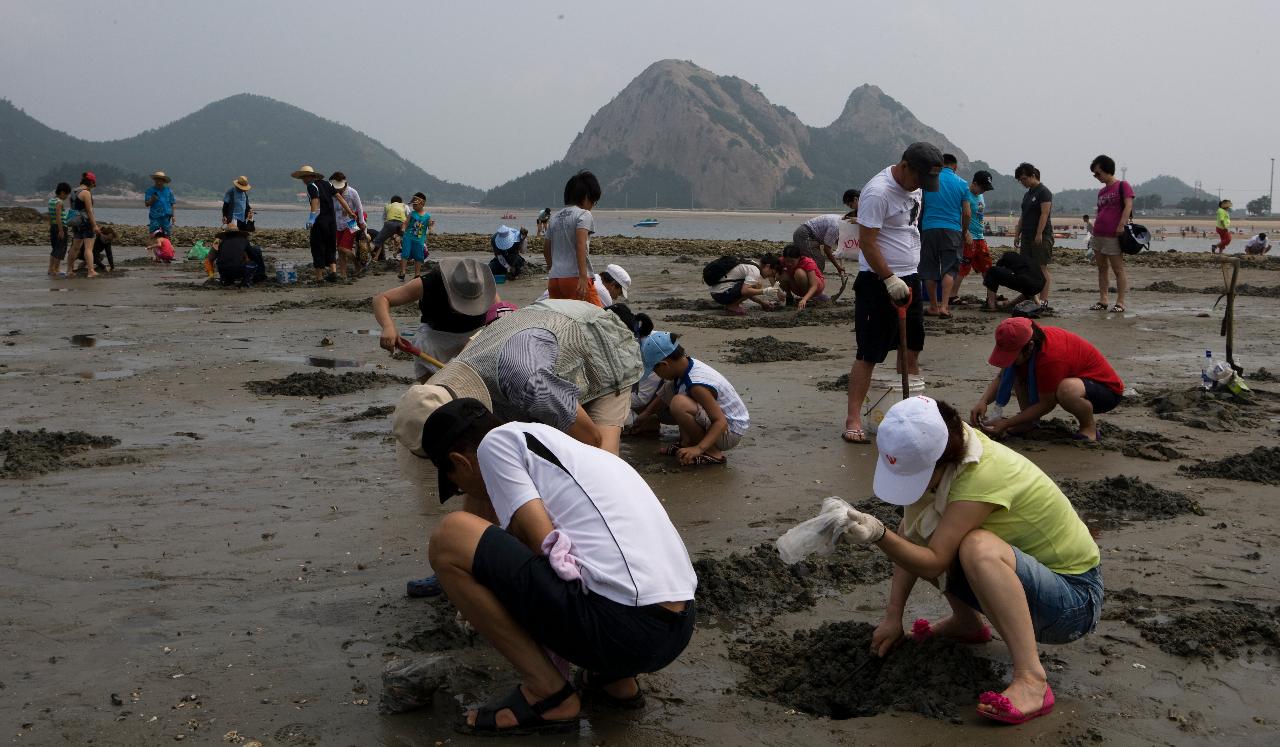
point(198, 251)
point(817, 535)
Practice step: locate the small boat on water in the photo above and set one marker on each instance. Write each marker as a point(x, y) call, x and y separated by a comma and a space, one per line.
point(646, 223)
point(508, 216)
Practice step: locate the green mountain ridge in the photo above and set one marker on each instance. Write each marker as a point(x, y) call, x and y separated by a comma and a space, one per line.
point(202, 152)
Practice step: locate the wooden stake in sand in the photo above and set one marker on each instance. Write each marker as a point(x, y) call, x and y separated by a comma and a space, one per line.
point(1229, 315)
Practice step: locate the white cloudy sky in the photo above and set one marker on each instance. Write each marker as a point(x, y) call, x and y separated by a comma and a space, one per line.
point(485, 91)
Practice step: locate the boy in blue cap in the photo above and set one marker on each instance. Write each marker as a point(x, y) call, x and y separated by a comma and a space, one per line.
point(711, 416)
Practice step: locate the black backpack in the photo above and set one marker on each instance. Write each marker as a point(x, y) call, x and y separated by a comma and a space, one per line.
point(1134, 238)
point(716, 269)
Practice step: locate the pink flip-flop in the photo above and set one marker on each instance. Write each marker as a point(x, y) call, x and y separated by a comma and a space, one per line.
point(921, 630)
point(1004, 711)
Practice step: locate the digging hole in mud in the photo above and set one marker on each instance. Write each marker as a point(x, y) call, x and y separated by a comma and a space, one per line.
point(32, 453)
point(1219, 411)
point(769, 349)
point(830, 671)
point(1260, 465)
point(321, 384)
point(755, 585)
point(1113, 501)
point(822, 316)
point(1132, 443)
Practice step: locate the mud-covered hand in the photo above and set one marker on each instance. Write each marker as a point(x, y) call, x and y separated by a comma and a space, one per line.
point(887, 636)
point(898, 290)
point(863, 529)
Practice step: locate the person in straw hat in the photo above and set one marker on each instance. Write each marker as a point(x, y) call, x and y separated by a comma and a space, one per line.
point(453, 298)
point(564, 556)
point(322, 221)
point(1009, 542)
point(159, 200)
point(236, 210)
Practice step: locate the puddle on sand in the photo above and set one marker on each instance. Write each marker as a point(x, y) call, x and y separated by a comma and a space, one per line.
point(186, 308)
point(59, 290)
point(123, 373)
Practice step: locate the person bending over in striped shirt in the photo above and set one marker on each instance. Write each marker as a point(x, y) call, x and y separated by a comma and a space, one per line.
point(696, 397)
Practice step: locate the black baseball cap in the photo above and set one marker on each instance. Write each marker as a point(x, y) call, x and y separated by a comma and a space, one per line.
point(441, 431)
point(926, 160)
point(983, 179)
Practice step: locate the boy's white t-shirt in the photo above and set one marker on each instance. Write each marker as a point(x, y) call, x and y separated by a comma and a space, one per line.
point(885, 205)
point(626, 545)
point(562, 232)
point(748, 273)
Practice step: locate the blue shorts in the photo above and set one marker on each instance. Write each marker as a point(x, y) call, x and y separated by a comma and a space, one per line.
point(410, 249)
point(1063, 607)
point(161, 224)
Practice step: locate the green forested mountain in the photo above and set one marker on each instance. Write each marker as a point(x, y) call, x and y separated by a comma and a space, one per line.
point(202, 152)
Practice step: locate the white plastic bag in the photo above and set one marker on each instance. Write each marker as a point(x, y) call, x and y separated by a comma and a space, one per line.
point(817, 535)
point(848, 248)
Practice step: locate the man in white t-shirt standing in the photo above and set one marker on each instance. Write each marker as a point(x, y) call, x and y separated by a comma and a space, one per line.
point(889, 235)
point(573, 553)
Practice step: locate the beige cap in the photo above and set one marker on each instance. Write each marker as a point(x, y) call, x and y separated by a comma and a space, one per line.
point(455, 380)
point(161, 176)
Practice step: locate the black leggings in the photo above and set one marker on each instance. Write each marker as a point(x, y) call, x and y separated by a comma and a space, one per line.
point(324, 243)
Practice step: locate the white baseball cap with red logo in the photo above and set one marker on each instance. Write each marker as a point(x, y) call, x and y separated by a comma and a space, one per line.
point(911, 439)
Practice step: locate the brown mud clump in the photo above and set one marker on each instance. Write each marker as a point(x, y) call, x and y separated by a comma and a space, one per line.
point(828, 315)
point(1218, 411)
point(839, 384)
point(757, 584)
point(769, 349)
point(671, 303)
point(321, 384)
point(1131, 443)
point(830, 671)
point(1120, 499)
point(31, 453)
point(1261, 374)
point(1238, 630)
point(1260, 465)
point(373, 413)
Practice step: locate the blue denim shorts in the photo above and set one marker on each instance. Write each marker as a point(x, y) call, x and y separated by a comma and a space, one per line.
point(1063, 607)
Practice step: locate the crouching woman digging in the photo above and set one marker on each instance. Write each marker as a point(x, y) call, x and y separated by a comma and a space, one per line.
point(1008, 541)
point(563, 549)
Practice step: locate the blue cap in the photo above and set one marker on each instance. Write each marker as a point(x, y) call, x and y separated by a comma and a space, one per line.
point(656, 346)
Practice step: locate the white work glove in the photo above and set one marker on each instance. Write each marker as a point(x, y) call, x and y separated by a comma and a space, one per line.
point(863, 529)
point(898, 290)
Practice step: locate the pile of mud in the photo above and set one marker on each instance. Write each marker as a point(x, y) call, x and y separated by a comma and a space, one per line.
point(671, 303)
point(357, 305)
point(1230, 631)
point(756, 583)
point(839, 384)
point(1242, 289)
point(1132, 443)
point(373, 413)
point(439, 630)
point(321, 384)
point(958, 326)
point(769, 349)
point(1261, 374)
point(1168, 286)
point(821, 316)
point(1260, 465)
point(31, 453)
point(830, 671)
point(1219, 411)
point(1119, 499)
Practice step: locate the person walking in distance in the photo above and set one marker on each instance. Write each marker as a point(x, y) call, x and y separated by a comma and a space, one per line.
point(944, 231)
point(1115, 205)
point(1223, 227)
point(1033, 236)
point(888, 208)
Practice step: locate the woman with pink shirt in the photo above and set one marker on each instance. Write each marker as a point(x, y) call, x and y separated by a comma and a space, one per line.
point(1115, 205)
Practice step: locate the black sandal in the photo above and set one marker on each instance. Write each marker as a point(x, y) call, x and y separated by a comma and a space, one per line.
point(596, 692)
point(529, 720)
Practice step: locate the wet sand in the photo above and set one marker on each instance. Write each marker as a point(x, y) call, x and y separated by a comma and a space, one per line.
point(233, 568)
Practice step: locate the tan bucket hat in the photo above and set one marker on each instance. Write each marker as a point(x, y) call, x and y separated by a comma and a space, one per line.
point(241, 183)
point(306, 173)
point(469, 284)
point(412, 411)
point(161, 176)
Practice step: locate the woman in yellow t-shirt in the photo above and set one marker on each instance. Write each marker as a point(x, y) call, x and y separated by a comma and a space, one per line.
point(1010, 543)
point(1223, 226)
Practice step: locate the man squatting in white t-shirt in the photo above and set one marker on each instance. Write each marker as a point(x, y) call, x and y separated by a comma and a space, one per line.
point(889, 236)
point(620, 604)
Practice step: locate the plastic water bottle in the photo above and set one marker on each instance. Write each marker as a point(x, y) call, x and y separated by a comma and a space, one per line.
point(995, 412)
point(1206, 371)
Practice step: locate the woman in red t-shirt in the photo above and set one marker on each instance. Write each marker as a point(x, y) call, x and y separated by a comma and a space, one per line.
point(1067, 370)
point(799, 275)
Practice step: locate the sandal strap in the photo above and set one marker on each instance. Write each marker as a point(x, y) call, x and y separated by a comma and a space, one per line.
point(551, 701)
point(514, 701)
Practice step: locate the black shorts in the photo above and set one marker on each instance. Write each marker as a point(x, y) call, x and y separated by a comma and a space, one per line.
point(876, 317)
point(1100, 396)
point(1025, 284)
point(57, 244)
point(729, 296)
point(324, 243)
point(597, 634)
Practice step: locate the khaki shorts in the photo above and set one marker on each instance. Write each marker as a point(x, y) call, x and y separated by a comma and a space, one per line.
point(610, 409)
point(1038, 253)
point(1107, 245)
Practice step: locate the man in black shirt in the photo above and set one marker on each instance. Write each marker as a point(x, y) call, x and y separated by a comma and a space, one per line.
point(323, 222)
point(1033, 236)
point(1015, 272)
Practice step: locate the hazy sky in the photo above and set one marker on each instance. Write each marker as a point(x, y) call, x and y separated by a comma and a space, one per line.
point(483, 92)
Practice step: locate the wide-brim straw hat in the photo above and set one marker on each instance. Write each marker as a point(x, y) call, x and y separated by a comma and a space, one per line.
point(306, 173)
point(241, 183)
point(161, 176)
point(411, 413)
point(469, 284)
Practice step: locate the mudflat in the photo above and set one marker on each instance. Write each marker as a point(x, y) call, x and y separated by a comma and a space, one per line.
point(188, 555)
